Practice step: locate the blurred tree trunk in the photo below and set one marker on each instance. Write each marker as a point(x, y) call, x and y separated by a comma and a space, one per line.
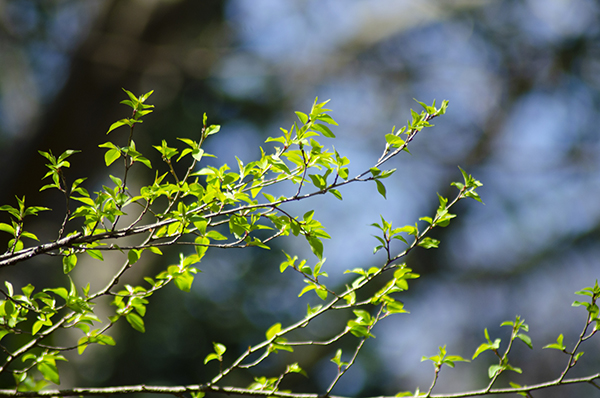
point(126, 38)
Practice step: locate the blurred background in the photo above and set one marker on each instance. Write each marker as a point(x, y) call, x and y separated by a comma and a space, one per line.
point(522, 78)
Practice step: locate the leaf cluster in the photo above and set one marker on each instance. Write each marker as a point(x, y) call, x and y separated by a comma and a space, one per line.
point(207, 207)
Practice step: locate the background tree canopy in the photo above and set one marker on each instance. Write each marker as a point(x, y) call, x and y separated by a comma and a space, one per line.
point(522, 78)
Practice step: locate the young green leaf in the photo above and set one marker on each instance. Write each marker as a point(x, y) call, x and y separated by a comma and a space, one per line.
point(558, 345)
point(136, 322)
point(273, 330)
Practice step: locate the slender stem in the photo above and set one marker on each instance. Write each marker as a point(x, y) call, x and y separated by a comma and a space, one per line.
point(67, 193)
point(435, 377)
point(571, 362)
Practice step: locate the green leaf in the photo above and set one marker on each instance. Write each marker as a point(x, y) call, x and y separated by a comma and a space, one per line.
point(87, 201)
point(303, 117)
point(201, 243)
point(307, 288)
point(133, 256)
point(7, 228)
point(323, 129)
point(29, 235)
point(295, 368)
point(429, 243)
point(37, 326)
point(42, 321)
point(49, 371)
point(577, 303)
point(493, 370)
point(318, 181)
point(450, 359)
point(59, 291)
point(273, 330)
point(360, 330)
point(258, 243)
point(78, 304)
point(212, 129)
point(483, 347)
point(218, 354)
point(132, 97)
point(103, 339)
point(210, 357)
point(336, 193)
point(443, 359)
point(118, 124)
point(381, 188)
point(279, 345)
point(215, 235)
point(487, 346)
point(558, 345)
point(155, 250)
point(143, 160)
point(525, 339)
point(136, 322)
point(97, 254)
point(310, 311)
point(514, 369)
point(111, 155)
point(184, 281)
point(394, 140)
point(395, 307)
point(82, 344)
point(3, 332)
point(316, 246)
point(337, 359)
point(219, 348)
point(27, 290)
point(321, 292)
point(18, 246)
point(515, 385)
point(69, 262)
